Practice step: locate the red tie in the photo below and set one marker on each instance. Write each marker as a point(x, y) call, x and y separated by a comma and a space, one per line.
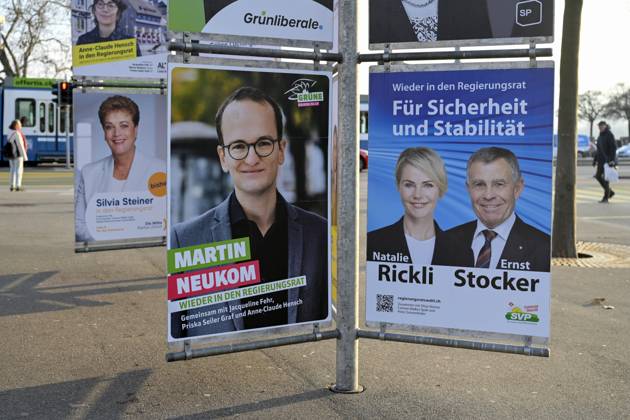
point(483, 260)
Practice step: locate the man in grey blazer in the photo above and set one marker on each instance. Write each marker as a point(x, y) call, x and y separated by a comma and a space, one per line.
point(286, 240)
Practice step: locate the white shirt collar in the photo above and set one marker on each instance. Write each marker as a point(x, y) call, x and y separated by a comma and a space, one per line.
point(503, 230)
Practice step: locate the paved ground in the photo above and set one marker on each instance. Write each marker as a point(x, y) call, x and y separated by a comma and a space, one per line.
point(83, 336)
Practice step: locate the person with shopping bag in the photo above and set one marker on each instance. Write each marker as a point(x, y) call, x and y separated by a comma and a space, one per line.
point(605, 157)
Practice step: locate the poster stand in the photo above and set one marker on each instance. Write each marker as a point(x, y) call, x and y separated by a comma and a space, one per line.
point(113, 245)
point(347, 331)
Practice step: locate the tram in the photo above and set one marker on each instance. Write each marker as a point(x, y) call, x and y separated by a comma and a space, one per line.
point(47, 126)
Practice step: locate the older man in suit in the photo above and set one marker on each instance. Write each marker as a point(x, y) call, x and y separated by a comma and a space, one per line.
point(498, 238)
point(286, 240)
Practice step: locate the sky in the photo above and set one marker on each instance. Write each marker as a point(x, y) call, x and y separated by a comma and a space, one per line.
point(604, 57)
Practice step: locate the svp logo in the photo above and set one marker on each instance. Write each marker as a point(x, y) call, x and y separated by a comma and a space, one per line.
point(303, 92)
point(526, 315)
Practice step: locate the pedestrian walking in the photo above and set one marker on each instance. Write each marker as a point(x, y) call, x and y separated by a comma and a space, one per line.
point(16, 138)
point(605, 155)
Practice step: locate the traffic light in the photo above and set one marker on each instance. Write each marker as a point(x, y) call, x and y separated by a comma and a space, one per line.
point(65, 93)
point(55, 93)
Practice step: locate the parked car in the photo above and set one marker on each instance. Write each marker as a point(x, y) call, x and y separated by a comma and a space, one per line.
point(363, 159)
point(623, 151)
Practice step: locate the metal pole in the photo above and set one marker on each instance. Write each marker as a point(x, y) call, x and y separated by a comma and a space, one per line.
point(457, 343)
point(453, 55)
point(252, 52)
point(347, 380)
point(248, 346)
point(82, 83)
point(68, 136)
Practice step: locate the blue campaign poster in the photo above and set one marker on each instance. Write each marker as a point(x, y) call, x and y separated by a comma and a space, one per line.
point(455, 112)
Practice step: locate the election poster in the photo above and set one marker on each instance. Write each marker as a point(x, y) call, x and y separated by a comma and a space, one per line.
point(248, 246)
point(275, 22)
point(120, 161)
point(119, 38)
point(459, 198)
point(439, 23)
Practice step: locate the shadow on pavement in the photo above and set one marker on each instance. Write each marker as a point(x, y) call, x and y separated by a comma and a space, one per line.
point(261, 405)
point(87, 398)
point(20, 294)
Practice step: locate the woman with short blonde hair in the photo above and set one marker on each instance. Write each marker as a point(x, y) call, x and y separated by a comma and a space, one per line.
point(421, 181)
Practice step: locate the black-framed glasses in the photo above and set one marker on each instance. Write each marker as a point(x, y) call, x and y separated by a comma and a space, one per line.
point(101, 5)
point(240, 149)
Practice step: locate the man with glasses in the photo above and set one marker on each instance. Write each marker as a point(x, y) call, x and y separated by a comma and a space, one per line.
point(286, 240)
point(107, 15)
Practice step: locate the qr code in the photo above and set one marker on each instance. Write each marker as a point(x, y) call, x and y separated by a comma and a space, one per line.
point(384, 303)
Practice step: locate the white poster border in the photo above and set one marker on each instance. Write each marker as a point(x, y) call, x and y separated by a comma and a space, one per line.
point(245, 336)
point(457, 332)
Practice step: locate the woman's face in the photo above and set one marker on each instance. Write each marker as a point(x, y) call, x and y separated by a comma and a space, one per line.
point(418, 193)
point(120, 132)
point(105, 12)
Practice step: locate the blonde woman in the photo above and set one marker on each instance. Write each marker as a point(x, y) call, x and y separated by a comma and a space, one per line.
point(16, 138)
point(415, 237)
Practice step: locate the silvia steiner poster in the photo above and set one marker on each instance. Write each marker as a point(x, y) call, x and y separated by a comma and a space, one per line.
point(456, 150)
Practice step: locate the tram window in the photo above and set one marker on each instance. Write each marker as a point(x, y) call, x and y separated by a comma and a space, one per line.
point(62, 120)
point(25, 108)
point(51, 118)
point(42, 117)
point(363, 126)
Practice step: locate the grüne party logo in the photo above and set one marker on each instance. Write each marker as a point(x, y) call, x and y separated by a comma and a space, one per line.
point(302, 92)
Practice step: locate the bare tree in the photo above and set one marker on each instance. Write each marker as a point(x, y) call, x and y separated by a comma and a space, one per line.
point(35, 38)
point(618, 106)
point(564, 212)
point(590, 106)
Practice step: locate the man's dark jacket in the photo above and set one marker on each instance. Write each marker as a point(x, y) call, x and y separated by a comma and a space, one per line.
point(606, 148)
point(308, 256)
point(525, 244)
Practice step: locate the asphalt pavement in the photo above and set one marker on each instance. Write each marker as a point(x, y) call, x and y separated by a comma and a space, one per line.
point(84, 336)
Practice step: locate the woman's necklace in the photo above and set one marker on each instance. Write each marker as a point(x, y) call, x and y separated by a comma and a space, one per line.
point(418, 5)
point(423, 19)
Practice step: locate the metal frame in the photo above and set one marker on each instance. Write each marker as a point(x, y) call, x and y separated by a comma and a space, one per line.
point(455, 55)
point(83, 83)
point(347, 354)
point(189, 353)
point(120, 244)
point(123, 82)
point(348, 332)
point(526, 350)
point(197, 48)
point(259, 41)
point(489, 42)
point(460, 66)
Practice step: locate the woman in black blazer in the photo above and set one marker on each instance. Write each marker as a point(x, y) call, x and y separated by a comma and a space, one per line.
point(456, 20)
point(415, 237)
